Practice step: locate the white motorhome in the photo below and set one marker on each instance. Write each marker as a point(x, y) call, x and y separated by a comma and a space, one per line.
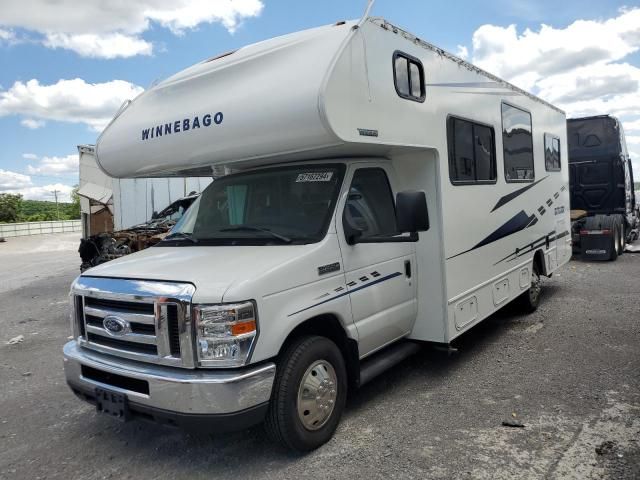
point(315, 266)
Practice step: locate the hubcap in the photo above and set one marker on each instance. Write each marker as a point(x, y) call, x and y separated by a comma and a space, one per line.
point(317, 395)
point(534, 290)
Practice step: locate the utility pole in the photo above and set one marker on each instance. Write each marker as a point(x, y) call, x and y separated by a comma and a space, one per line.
point(55, 194)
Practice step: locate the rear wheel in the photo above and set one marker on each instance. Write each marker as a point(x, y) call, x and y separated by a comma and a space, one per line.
point(614, 245)
point(530, 299)
point(309, 394)
point(623, 236)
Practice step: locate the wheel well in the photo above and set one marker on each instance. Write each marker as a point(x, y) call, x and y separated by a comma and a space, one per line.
point(330, 327)
point(538, 260)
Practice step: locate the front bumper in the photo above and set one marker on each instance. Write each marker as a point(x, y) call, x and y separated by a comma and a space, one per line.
point(223, 399)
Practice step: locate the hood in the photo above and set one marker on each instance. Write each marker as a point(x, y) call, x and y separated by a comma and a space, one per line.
point(258, 271)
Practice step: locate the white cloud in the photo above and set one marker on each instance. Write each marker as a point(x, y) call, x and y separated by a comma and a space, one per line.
point(462, 52)
point(32, 124)
point(29, 156)
point(17, 183)
point(46, 192)
point(582, 68)
point(55, 166)
point(633, 126)
point(112, 29)
point(7, 35)
point(110, 45)
point(72, 101)
point(12, 180)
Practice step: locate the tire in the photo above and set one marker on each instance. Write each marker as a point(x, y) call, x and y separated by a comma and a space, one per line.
point(299, 423)
point(530, 299)
point(614, 246)
point(623, 236)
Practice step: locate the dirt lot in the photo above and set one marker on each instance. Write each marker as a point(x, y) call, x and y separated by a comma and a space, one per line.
point(570, 373)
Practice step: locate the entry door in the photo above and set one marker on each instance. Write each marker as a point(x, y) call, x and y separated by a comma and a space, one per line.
point(380, 276)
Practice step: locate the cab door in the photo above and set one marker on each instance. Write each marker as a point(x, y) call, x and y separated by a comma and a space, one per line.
point(380, 274)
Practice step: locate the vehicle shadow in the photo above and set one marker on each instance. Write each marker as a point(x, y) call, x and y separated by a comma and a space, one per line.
point(247, 452)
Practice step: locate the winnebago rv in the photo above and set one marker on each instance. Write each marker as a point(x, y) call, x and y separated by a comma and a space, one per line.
point(603, 204)
point(386, 193)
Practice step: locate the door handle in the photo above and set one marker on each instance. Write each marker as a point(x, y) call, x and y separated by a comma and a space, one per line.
point(407, 268)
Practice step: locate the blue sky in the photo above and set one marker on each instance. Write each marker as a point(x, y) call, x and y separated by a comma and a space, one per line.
point(26, 54)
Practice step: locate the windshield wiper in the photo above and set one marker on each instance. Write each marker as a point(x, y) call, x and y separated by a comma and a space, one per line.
point(248, 228)
point(180, 236)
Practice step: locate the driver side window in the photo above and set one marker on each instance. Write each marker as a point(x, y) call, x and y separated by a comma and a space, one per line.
point(370, 208)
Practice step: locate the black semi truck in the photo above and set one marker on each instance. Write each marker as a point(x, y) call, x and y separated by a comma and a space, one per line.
point(603, 206)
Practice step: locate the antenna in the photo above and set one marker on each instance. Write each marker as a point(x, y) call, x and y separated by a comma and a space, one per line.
point(366, 12)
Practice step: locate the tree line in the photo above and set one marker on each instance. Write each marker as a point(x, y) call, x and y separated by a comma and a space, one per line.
point(13, 208)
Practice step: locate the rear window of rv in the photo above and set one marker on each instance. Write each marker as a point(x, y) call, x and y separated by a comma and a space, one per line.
point(517, 142)
point(408, 76)
point(472, 152)
point(551, 153)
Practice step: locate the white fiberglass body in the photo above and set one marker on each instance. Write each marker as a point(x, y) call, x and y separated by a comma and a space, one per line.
point(323, 129)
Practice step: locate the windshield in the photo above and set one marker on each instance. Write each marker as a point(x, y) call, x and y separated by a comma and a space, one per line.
point(285, 205)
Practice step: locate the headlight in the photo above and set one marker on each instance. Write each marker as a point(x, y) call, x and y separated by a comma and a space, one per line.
point(225, 333)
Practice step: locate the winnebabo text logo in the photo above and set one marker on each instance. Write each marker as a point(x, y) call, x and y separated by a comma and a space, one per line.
point(183, 125)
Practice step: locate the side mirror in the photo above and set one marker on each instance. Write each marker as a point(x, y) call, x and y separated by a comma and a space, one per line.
point(352, 233)
point(412, 214)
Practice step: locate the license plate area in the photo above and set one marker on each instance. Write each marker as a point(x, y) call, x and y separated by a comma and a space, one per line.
point(114, 404)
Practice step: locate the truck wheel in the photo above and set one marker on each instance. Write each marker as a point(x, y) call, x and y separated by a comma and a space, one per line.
point(614, 248)
point(308, 395)
point(530, 299)
point(623, 236)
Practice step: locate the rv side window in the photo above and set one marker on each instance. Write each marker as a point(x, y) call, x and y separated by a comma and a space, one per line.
point(408, 76)
point(551, 153)
point(517, 142)
point(472, 157)
point(370, 208)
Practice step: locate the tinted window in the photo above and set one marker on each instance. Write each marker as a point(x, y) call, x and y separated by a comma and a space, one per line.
point(517, 143)
point(551, 153)
point(408, 76)
point(471, 152)
point(370, 206)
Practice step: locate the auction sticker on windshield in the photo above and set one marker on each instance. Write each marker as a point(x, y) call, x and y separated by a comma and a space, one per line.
point(314, 177)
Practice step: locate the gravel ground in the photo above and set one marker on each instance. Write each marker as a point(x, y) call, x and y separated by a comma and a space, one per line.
point(569, 373)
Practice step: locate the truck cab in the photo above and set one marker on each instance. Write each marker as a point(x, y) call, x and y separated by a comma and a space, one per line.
point(602, 187)
point(266, 263)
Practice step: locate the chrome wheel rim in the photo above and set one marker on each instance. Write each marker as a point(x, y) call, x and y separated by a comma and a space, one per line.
point(317, 395)
point(536, 286)
point(616, 236)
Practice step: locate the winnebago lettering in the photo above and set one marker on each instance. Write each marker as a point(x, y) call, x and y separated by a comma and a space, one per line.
point(181, 126)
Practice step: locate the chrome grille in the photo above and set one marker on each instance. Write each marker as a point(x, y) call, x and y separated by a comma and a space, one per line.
point(154, 318)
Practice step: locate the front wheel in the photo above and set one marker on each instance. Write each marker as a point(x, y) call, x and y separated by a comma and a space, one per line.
point(308, 395)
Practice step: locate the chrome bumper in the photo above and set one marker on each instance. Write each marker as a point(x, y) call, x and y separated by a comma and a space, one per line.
point(191, 392)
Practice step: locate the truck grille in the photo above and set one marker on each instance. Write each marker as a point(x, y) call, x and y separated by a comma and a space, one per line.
point(141, 320)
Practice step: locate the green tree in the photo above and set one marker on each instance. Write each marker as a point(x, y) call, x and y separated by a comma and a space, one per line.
point(73, 211)
point(10, 207)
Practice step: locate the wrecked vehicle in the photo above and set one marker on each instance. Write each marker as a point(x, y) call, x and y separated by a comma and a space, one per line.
point(102, 247)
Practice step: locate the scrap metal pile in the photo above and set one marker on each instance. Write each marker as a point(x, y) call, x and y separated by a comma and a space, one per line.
point(103, 247)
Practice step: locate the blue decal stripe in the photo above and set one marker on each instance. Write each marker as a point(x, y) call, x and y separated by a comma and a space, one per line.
point(378, 280)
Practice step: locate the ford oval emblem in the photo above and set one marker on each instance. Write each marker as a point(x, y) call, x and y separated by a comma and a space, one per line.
point(115, 325)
